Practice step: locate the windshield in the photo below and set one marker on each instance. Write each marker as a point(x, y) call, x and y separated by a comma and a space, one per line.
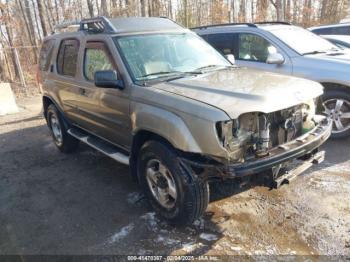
point(162, 55)
point(303, 41)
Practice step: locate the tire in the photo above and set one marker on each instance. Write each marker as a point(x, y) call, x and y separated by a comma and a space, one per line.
point(192, 194)
point(330, 100)
point(64, 141)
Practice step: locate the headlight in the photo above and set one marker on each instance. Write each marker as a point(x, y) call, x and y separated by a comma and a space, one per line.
point(225, 132)
point(233, 138)
point(309, 112)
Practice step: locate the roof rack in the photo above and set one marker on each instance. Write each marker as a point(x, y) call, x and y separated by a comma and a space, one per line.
point(273, 22)
point(94, 25)
point(99, 24)
point(66, 25)
point(227, 24)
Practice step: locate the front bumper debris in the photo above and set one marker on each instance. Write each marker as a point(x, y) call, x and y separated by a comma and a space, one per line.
point(305, 145)
point(290, 175)
point(294, 149)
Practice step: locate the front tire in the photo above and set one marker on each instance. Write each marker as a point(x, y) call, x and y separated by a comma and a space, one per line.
point(177, 195)
point(337, 106)
point(64, 141)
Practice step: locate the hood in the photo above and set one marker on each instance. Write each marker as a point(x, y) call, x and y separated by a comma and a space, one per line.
point(241, 90)
point(342, 57)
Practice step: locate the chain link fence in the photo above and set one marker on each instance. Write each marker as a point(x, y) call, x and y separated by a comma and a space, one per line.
point(18, 66)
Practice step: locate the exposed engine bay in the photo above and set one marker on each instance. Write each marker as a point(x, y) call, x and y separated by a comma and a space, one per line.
point(254, 134)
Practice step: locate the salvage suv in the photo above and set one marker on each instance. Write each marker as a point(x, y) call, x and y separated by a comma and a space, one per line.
point(152, 94)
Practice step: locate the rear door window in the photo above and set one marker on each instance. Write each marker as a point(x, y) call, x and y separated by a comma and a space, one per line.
point(46, 54)
point(224, 43)
point(67, 57)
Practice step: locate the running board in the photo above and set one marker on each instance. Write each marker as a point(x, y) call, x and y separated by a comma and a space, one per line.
point(100, 145)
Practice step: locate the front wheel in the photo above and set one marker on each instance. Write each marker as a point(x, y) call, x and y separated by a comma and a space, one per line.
point(337, 106)
point(177, 195)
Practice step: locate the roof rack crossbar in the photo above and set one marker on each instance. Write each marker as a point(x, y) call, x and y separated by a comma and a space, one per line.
point(66, 24)
point(227, 24)
point(97, 25)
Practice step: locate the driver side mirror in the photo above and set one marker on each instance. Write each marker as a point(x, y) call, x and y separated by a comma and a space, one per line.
point(230, 58)
point(275, 58)
point(108, 79)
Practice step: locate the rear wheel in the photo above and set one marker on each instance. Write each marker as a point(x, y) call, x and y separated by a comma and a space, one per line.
point(64, 141)
point(177, 195)
point(337, 107)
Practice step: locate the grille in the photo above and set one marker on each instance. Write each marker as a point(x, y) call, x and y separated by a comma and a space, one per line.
point(285, 125)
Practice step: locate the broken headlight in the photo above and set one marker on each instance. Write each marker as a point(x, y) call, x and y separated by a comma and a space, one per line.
point(308, 113)
point(236, 135)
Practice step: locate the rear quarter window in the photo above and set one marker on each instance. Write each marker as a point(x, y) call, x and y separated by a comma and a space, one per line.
point(343, 30)
point(323, 31)
point(46, 54)
point(339, 30)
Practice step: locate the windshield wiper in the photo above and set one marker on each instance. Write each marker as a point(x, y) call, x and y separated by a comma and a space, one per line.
point(206, 67)
point(161, 73)
point(195, 72)
point(314, 52)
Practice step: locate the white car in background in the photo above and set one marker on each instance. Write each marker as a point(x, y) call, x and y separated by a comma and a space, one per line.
point(286, 49)
point(342, 41)
point(336, 29)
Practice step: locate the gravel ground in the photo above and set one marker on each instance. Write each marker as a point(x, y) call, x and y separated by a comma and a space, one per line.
point(85, 203)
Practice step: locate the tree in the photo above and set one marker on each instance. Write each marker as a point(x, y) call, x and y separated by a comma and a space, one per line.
point(143, 7)
point(41, 16)
point(103, 8)
point(242, 17)
point(262, 7)
point(9, 38)
point(279, 9)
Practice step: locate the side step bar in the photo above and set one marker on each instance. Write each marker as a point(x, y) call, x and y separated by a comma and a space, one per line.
point(100, 145)
point(292, 174)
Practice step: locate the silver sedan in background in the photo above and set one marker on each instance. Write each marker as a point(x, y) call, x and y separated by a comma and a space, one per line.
point(286, 49)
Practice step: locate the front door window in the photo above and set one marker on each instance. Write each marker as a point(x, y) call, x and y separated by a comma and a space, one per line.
point(254, 48)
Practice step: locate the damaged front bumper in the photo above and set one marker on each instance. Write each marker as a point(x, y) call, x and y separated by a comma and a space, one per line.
point(304, 146)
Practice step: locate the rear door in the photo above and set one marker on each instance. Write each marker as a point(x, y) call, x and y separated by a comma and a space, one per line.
point(63, 74)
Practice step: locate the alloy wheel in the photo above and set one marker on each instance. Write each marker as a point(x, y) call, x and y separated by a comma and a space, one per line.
point(161, 183)
point(339, 111)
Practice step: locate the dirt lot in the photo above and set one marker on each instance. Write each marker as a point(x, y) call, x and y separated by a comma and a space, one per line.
point(86, 203)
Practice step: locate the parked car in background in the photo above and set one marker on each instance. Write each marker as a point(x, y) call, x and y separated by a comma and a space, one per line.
point(286, 49)
point(336, 29)
point(342, 41)
point(150, 93)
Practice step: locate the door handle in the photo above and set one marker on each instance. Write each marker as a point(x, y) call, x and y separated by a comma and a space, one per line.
point(82, 91)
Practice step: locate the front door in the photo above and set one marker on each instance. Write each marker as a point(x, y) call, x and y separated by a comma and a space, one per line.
point(253, 51)
point(109, 109)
